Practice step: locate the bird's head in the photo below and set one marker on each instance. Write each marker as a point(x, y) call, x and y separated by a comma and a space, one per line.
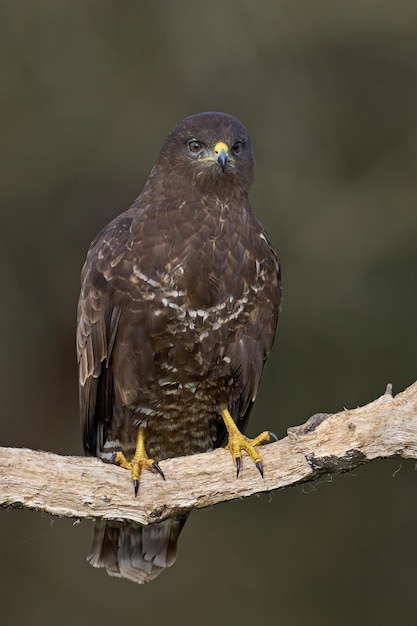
point(212, 151)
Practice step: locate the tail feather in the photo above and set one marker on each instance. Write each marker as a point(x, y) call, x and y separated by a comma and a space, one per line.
point(139, 553)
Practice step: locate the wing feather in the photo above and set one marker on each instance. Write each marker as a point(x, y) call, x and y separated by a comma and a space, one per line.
point(97, 325)
point(253, 344)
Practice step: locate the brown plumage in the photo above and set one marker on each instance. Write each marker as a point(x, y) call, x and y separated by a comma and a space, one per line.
point(177, 315)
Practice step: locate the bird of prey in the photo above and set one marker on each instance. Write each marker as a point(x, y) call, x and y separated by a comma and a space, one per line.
point(177, 314)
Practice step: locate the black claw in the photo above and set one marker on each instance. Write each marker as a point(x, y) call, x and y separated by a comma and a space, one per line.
point(273, 436)
point(136, 486)
point(113, 457)
point(260, 468)
point(158, 469)
point(237, 466)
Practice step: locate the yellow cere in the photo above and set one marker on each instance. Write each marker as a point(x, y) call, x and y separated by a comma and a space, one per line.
point(220, 146)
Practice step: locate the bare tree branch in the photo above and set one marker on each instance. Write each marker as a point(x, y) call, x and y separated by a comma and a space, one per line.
point(88, 488)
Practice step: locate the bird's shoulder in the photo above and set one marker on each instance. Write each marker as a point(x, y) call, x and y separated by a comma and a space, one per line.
point(107, 249)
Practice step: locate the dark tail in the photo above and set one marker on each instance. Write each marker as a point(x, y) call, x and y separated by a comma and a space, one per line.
point(139, 553)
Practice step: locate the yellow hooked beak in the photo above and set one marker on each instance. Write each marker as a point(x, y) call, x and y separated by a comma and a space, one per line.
point(220, 155)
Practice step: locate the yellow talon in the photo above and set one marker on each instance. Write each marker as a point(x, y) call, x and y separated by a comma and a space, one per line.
point(237, 442)
point(139, 462)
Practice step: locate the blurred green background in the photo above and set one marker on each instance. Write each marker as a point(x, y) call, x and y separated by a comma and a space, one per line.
point(328, 90)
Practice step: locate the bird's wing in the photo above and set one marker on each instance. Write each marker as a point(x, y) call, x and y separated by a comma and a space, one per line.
point(97, 325)
point(253, 342)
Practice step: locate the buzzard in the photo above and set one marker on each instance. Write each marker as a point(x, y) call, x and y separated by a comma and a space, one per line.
point(177, 314)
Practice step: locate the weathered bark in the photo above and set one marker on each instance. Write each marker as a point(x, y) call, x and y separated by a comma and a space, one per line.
point(88, 488)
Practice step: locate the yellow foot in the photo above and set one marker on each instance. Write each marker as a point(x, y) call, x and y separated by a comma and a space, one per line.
point(238, 442)
point(139, 462)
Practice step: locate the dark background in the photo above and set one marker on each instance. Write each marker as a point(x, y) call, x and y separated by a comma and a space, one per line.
point(328, 90)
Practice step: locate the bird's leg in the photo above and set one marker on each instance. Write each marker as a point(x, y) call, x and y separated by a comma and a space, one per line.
point(139, 462)
point(237, 442)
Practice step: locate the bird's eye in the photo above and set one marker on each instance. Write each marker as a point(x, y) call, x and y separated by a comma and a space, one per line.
point(237, 147)
point(195, 146)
